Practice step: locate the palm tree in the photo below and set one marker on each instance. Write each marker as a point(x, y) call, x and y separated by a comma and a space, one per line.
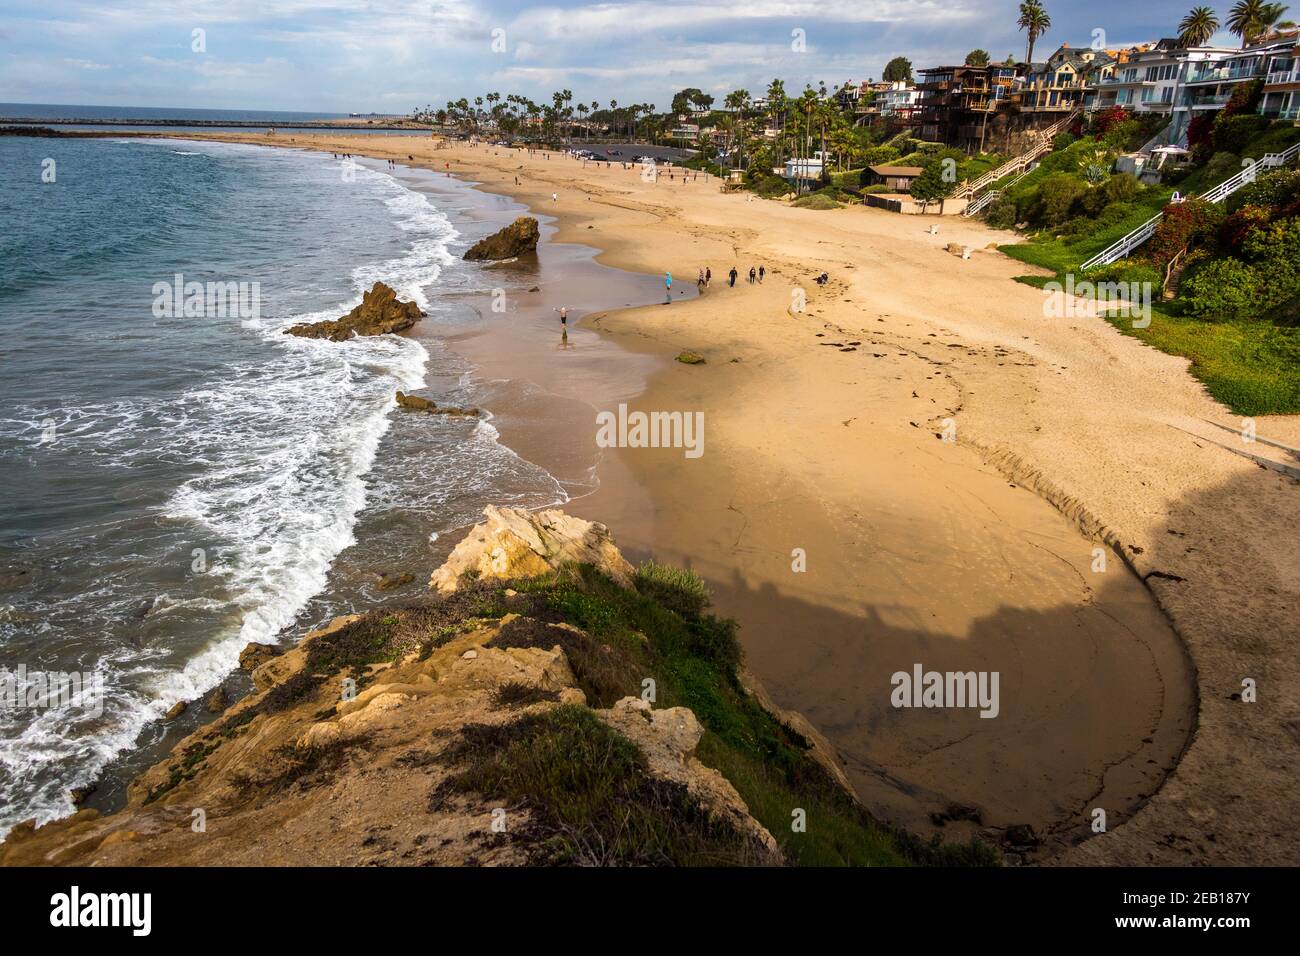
point(1197, 27)
point(1252, 18)
point(1035, 21)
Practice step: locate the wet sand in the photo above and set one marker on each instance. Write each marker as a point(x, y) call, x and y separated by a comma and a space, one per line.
point(980, 553)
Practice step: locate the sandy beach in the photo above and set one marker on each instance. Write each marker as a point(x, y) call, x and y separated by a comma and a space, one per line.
point(919, 467)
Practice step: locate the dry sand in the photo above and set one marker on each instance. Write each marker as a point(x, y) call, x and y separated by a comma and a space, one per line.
point(973, 554)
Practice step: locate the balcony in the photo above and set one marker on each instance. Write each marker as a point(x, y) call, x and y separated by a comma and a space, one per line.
point(1224, 74)
point(1218, 101)
point(1279, 77)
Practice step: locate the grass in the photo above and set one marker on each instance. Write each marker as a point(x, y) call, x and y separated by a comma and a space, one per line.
point(589, 794)
point(1066, 255)
point(1251, 367)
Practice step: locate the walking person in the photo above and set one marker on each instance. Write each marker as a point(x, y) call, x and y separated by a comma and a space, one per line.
point(668, 287)
point(753, 275)
point(699, 283)
point(762, 270)
point(732, 277)
point(708, 277)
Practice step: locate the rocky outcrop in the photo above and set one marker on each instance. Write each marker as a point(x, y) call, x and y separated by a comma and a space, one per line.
point(517, 239)
point(668, 738)
point(315, 769)
point(513, 543)
point(254, 655)
point(415, 403)
point(380, 313)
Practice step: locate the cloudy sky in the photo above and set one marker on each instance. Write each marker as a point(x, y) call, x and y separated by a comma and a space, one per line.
point(393, 55)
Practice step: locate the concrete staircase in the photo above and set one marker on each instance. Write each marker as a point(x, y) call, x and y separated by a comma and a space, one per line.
point(1042, 145)
point(1123, 247)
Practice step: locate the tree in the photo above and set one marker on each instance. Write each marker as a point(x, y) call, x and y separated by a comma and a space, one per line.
point(1197, 27)
point(977, 58)
point(1035, 22)
point(898, 70)
point(931, 185)
point(683, 101)
point(1249, 19)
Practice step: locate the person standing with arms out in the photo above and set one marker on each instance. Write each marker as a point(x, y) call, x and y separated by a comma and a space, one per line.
point(732, 277)
point(564, 315)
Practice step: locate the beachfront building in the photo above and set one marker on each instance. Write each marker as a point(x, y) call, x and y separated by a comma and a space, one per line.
point(803, 168)
point(1171, 80)
point(900, 101)
point(1281, 99)
point(1059, 86)
point(685, 133)
point(956, 102)
point(1210, 83)
point(1183, 82)
point(899, 179)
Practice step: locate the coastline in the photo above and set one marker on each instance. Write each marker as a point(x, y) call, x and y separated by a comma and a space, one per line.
point(783, 382)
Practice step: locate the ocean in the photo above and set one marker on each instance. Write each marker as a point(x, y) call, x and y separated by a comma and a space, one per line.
point(173, 487)
point(138, 118)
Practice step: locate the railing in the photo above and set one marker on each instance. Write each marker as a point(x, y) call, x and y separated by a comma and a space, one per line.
point(1283, 76)
point(979, 204)
point(1142, 233)
point(976, 205)
point(1043, 145)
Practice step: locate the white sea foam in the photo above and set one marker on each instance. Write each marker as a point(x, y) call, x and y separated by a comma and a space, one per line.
point(285, 446)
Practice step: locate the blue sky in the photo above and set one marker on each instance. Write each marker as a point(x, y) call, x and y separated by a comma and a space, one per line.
point(393, 55)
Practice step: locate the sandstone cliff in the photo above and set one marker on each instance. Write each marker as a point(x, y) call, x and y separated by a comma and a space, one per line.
point(551, 705)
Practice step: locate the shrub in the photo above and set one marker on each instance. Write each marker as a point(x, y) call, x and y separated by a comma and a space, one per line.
point(878, 155)
point(1128, 270)
point(1122, 187)
point(1095, 163)
point(1183, 223)
point(1108, 119)
point(1222, 289)
point(677, 589)
point(1001, 213)
point(1234, 133)
point(1123, 136)
point(816, 201)
point(1063, 140)
point(1276, 189)
point(1057, 195)
point(1275, 249)
point(1093, 201)
point(1221, 166)
point(1241, 223)
point(1200, 135)
point(1244, 99)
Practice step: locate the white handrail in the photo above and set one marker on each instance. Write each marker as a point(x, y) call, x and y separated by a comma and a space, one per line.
point(1121, 248)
